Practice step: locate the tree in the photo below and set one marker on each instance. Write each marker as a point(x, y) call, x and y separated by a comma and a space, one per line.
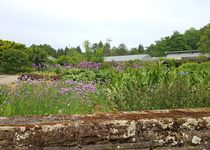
point(96, 46)
point(100, 44)
point(37, 55)
point(134, 51)
point(46, 48)
point(175, 42)
point(74, 57)
point(66, 50)
point(139, 50)
point(107, 47)
point(79, 49)
point(59, 52)
point(95, 52)
point(88, 51)
point(121, 50)
point(13, 60)
point(98, 55)
point(204, 43)
point(192, 37)
point(162, 46)
point(152, 50)
point(6, 45)
point(178, 42)
point(63, 59)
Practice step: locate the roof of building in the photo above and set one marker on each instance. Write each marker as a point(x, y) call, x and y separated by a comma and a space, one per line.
point(127, 57)
point(179, 52)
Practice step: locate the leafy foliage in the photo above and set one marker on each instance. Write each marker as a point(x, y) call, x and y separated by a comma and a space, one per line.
point(37, 55)
point(204, 43)
point(13, 59)
point(175, 42)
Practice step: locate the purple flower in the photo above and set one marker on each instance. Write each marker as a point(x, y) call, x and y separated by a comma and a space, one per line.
point(71, 82)
point(89, 65)
point(23, 77)
point(38, 66)
point(64, 91)
point(119, 68)
point(79, 87)
point(89, 88)
point(34, 65)
point(137, 66)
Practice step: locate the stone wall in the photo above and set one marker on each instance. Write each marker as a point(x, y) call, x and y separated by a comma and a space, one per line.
point(187, 129)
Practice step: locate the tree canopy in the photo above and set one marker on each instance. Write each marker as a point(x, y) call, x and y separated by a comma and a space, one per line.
point(204, 42)
point(191, 39)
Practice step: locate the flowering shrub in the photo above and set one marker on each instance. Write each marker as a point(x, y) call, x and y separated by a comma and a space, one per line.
point(137, 66)
point(39, 76)
point(64, 90)
point(38, 66)
point(43, 97)
point(89, 65)
point(78, 87)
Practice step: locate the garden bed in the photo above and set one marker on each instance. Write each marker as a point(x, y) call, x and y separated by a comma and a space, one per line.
point(132, 87)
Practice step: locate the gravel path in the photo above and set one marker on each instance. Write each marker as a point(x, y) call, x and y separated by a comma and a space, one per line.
point(8, 79)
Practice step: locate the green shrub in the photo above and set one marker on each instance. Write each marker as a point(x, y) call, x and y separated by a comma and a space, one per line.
point(63, 60)
point(106, 65)
point(12, 60)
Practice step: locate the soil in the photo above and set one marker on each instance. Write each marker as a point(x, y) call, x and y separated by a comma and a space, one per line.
point(8, 79)
point(130, 116)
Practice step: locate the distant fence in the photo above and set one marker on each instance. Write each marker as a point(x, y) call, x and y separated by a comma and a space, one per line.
point(166, 129)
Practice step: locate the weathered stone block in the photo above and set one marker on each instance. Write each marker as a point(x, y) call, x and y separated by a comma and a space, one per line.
point(167, 129)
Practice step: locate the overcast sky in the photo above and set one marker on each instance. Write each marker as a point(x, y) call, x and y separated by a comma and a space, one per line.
point(63, 23)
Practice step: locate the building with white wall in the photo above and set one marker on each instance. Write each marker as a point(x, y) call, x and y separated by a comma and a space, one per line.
point(183, 54)
point(128, 58)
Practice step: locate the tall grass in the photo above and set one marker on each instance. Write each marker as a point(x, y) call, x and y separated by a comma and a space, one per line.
point(160, 87)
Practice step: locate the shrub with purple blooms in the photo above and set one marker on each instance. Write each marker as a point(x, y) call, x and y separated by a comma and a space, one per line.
point(32, 97)
point(89, 65)
point(38, 66)
point(80, 88)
